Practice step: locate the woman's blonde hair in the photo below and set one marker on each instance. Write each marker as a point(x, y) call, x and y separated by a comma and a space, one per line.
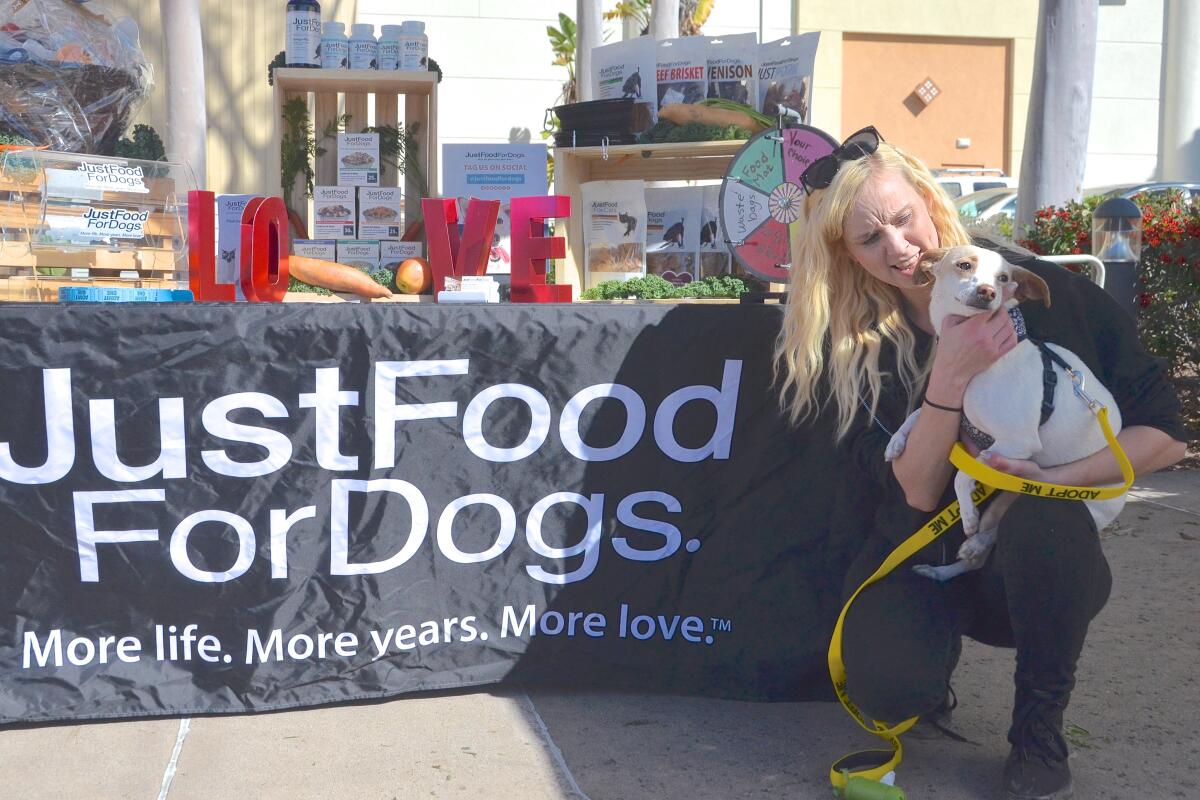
point(839, 313)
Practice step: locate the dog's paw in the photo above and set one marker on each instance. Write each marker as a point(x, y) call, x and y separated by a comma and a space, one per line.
point(970, 520)
point(975, 549)
point(895, 446)
point(941, 574)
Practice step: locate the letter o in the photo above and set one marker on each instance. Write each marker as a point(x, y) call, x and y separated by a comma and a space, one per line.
point(445, 528)
point(300, 647)
point(551, 623)
point(539, 407)
point(89, 651)
point(642, 627)
point(183, 563)
point(635, 422)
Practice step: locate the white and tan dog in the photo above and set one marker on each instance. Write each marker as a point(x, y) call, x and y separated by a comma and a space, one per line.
point(1005, 400)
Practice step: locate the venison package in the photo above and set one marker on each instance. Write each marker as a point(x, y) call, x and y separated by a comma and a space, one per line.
point(614, 231)
point(673, 232)
point(625, 70)
point(732, 67)
point(681, 68)
point(785, 75)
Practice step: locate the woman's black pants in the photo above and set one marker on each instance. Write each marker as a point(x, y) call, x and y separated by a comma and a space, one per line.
point(1044, 581)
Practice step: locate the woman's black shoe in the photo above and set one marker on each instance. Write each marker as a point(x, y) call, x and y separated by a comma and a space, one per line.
point(1037, 766)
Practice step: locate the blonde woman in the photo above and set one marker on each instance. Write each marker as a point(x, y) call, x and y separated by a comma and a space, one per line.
point(858, 349)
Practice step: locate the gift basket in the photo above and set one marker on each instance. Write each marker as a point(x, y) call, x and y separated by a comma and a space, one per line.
point(71, 76)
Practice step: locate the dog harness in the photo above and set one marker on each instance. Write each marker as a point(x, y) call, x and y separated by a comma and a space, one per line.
point(1049, 381)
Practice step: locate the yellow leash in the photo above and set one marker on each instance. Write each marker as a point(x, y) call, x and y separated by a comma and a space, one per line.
point(981, 472)
point(855, 764)
point(875, 764)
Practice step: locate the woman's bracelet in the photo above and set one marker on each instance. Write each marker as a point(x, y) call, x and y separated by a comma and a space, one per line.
point(939, 406)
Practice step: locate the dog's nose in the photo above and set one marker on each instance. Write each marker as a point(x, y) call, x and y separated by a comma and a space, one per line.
point(986, 292)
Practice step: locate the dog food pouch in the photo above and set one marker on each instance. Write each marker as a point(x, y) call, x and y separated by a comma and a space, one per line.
point(785, 75)
point(714, 254)
point(732, 68)
point(614, 231)
point(673, 232)
point(626, 69)
point(682, 64)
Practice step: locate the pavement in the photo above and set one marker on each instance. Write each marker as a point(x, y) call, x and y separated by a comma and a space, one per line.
point(1128, 722)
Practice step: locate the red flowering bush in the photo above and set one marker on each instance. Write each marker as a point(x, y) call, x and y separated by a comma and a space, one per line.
point(1168, 274)
point(1062, 231)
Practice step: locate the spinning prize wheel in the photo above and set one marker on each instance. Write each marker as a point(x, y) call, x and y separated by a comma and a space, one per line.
point(761, 196)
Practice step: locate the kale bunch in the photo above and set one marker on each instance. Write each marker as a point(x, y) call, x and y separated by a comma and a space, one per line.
point(653, 287)
point(666, 132)
point(145, 145)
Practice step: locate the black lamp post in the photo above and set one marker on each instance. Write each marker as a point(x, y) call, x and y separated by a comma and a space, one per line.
point(1117, 241)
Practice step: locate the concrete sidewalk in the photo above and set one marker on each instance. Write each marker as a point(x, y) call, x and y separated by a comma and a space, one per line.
point(1129, 722)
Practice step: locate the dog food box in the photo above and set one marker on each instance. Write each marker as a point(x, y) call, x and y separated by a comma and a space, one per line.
point(379, 212)
point(229, 238)
point(333, 212)
point(358, 159)
point(359, 253)
point(316, 248)
point(393, 254)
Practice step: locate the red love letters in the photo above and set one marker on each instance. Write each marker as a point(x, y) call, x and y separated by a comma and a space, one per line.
point(264, 245)
point(530, 249)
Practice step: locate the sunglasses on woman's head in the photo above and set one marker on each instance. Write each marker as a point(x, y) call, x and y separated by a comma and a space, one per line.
point(819, 174)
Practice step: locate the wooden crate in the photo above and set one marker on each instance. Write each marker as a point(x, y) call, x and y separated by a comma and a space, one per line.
point(322, 88)
point(648, 162)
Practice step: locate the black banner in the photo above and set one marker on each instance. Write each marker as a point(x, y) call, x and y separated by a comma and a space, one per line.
point(218, 508)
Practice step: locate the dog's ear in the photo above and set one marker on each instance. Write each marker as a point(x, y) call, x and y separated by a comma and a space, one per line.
point(923, 274)
point(1030, 286)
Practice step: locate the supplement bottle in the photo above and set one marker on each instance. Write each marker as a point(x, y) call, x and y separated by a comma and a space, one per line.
point(335, 48)
point(364, 50)
point(302, 33)
point(389, 47)
point(415, 46)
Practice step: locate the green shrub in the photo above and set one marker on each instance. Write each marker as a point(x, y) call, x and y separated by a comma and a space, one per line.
point(1168, 277)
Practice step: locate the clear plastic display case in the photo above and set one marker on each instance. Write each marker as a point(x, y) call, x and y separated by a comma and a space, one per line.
point(68, 219)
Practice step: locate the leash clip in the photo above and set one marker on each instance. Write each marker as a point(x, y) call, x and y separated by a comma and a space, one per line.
point(1093, 404)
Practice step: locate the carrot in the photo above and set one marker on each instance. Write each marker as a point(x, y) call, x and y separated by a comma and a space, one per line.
point(683, 113)
point(413, 232)
point(338, 277)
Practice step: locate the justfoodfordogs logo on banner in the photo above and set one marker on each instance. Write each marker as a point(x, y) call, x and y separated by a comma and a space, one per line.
point(100, 547)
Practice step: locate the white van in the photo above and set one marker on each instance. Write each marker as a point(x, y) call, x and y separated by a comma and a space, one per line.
point(959, 182)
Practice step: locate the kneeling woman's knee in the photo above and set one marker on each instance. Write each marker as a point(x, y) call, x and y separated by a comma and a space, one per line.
point(1037, 527)
point(891, 686)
